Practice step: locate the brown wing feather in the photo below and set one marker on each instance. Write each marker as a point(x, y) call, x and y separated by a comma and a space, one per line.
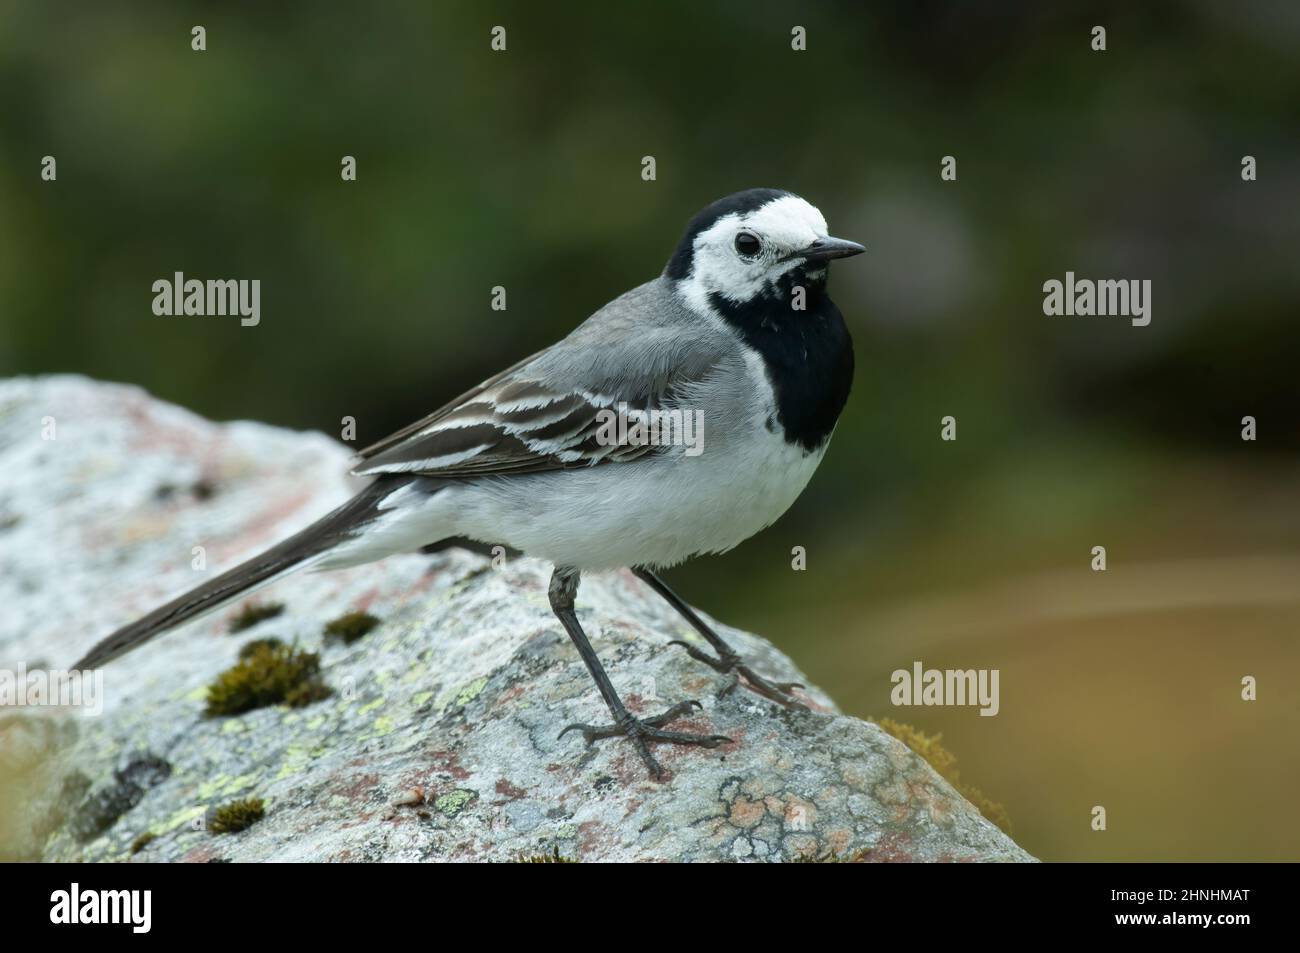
point(399, 435)
point(507, 425)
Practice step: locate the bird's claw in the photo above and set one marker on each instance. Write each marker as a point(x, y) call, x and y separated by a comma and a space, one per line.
point(642, 731)
point(734, 666)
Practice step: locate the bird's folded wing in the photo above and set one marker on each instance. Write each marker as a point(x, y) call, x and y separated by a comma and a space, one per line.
point(541, 414)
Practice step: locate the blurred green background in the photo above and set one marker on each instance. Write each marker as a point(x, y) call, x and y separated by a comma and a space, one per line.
point(522, 169)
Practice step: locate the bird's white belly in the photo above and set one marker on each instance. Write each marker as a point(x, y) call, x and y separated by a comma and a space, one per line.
point(626, 514)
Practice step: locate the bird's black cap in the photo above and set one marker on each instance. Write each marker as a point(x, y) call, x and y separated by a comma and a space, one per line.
point(740, 203)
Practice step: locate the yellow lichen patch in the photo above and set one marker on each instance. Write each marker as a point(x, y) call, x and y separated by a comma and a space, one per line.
point(416, 673)
point(224, 785)
point(296, 757)
point(208, 789)
point(943, 761)
point(236, 784)
point(182, 818)
point(453, 802)
point(471, 691)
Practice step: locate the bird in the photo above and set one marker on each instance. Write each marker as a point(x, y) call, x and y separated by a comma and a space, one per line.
point(737, 331)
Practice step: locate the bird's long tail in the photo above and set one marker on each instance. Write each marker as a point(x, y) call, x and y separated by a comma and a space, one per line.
point(296, 552)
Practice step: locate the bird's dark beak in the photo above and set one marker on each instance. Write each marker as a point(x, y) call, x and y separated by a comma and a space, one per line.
point(824, 249)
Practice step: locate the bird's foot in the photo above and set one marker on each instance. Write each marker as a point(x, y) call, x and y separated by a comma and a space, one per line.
point(643, 731)
point(732, 665)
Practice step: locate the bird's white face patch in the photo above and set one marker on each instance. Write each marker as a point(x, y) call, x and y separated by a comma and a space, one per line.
point(782, 227)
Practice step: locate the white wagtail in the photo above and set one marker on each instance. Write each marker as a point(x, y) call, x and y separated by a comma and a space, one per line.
point(738, 326)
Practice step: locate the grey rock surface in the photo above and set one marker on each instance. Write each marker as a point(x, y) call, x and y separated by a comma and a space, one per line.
point(440, 739)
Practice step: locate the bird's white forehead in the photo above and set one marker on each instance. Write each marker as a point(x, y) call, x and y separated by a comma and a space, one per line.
point(788, 217)
point(789, 222)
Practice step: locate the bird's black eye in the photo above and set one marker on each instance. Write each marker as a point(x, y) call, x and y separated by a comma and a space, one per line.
point(748, 244)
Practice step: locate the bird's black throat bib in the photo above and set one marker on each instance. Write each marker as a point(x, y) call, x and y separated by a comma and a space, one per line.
point(808, 355)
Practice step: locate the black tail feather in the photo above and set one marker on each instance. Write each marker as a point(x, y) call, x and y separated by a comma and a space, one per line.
point(316, 539)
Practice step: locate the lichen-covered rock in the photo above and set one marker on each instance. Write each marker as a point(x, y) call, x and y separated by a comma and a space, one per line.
point(439, 737)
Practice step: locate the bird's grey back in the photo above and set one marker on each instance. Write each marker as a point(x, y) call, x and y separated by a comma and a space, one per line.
point(645, 341)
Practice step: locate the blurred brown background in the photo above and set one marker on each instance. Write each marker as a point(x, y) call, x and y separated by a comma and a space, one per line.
point(522, 169)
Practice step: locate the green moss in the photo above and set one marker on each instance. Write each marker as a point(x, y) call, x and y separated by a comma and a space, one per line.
point(249, 649)
point(253, 613)
point(349, 627)
point(270, 674)
point(237, 816)
point(944, 762)
point(141, 842)
point(552, 858)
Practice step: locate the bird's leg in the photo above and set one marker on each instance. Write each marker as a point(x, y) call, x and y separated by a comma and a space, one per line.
point(727, 662)
point(640, 731)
